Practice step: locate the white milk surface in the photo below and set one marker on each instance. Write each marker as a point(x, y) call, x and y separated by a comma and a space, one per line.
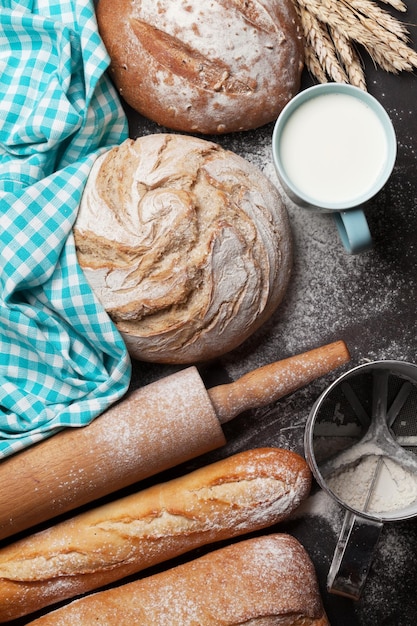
point(333, 148)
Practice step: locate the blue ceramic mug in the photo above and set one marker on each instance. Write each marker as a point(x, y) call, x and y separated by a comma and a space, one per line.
point(334, 148)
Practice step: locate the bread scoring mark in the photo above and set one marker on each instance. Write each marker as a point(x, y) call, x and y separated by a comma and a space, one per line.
point(186, 62)
point(252, 12)
point(235, 505)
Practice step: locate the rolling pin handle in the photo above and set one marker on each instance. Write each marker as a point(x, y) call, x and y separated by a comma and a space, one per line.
point(267, 384)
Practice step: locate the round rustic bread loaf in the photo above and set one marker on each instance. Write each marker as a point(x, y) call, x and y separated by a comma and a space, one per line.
point(204, 67)
point(186, 244)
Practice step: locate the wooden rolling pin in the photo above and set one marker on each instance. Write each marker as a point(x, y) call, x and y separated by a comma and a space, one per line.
point(152, 429)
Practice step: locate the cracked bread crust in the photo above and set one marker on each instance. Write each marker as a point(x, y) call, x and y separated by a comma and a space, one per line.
point(246, 492)
point(263, 581)
point(187, 246)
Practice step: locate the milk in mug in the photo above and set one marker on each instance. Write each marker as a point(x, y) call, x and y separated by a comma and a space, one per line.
point(333, 148)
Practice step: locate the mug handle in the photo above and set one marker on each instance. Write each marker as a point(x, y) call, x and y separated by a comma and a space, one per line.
point(353, 230)
point(353, 555)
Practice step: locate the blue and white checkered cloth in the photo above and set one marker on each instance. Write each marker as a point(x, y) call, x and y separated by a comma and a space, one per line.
point(62, 361)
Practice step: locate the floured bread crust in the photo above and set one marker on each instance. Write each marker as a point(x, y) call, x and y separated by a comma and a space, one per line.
point(243, 493)
point(187, 246)
point(262, 581)
point(204, 67)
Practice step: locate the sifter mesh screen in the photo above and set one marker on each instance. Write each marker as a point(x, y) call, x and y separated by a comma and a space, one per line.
point(344, 415)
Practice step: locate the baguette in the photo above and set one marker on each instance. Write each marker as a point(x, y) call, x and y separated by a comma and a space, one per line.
point(246, 492)
point(264, 581)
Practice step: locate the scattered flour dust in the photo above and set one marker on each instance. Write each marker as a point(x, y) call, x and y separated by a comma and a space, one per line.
point(332, 294)
point(323, 507)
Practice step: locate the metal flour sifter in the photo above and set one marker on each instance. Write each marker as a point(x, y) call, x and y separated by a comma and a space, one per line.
point(361, 444)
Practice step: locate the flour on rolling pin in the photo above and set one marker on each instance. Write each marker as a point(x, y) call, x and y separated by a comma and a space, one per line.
point(271, 382)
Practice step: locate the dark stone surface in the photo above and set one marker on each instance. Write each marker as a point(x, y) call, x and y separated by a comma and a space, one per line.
point(368, 300)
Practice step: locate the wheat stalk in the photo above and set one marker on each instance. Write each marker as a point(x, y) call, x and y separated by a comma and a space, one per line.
point(333, 29)
point(318, 39)
point(349, 58)
point(396, 4)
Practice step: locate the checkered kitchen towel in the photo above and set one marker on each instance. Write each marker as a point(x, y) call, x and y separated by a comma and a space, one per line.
point(62, 361)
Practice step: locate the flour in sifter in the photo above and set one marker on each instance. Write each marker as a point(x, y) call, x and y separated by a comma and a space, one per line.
point(376, 485)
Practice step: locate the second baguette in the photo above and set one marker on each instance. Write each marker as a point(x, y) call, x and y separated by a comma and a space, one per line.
point(246, 492)
point(263, 581)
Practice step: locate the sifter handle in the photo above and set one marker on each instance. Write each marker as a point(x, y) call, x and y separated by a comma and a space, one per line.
point(353, 556)
point(271, 382)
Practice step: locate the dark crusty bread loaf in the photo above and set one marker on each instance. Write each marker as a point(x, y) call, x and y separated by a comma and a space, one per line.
point(204, 67)
point(187, 245)
point(243, 493)
point(264, 581)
